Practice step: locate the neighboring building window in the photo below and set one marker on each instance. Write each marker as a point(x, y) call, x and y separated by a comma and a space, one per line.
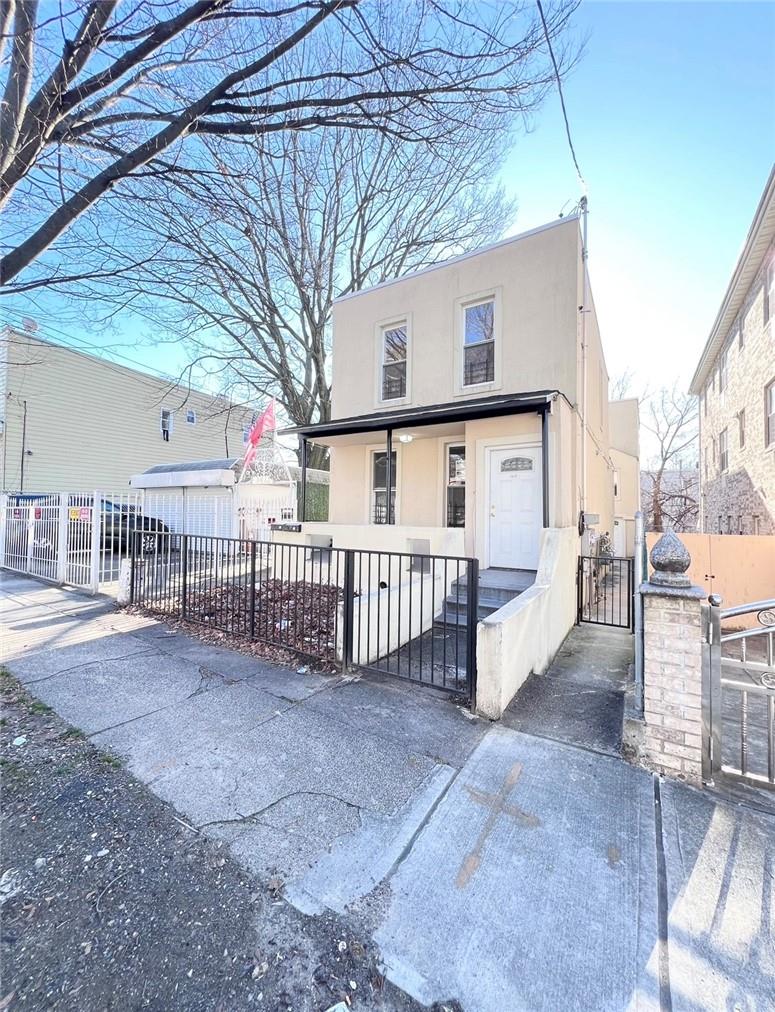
point(740, 525)
point(456, 486)
point(769, 291)
point(191, 416)
point(720, 525)
point(769, 414)
point(741, 426)
point(379, 499)
point(723, 450)
point(479, 343)
point(616, 484)
point(756, 524)
point(394, 345)
point(723, 371)
point(165, 424)
point(729, 523)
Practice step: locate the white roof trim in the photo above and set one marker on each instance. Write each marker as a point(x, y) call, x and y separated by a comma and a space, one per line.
point(460, 257)
point(183, 479)
point(757, 242)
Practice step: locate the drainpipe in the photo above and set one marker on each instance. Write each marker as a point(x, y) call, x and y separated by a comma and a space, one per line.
point(303, 478)
point(584, 310)
point(24, 445)
point(389, 475)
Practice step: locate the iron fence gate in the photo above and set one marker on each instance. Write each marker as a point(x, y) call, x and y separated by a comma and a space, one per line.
point(604, 591)
point(739, 693)
point(396, 613)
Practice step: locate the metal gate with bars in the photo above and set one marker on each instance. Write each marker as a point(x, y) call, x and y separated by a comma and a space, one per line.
point(739, 693)
point(396, 613)
point(80, 538)
point(604, 591)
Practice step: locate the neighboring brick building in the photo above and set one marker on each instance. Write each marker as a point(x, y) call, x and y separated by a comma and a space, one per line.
point(735, 381)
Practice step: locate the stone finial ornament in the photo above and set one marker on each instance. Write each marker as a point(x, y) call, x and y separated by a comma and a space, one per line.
point(670, 560)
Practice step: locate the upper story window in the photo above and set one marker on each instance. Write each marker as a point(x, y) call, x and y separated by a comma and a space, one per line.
point(394, 346)
point(723, 371)
point(479, 343)
point(723, 450)
point(769, 414)
point(165, 424)
point(191, 416)
point(769, 291)
point(616, 484)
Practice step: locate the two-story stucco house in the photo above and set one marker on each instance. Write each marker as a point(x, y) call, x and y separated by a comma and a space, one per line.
point(75, 422)
point(461, 394)
point(735, 381)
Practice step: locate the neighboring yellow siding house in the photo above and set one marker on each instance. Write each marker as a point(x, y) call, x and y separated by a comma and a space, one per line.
point(75, 422)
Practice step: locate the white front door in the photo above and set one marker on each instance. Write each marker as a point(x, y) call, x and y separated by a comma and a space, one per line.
point(514, 511)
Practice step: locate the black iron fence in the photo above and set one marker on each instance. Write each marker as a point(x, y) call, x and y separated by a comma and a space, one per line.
point(396, 613)
point(604, 591)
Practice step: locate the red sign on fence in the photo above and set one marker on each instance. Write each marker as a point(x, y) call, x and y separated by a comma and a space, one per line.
point(84, 513)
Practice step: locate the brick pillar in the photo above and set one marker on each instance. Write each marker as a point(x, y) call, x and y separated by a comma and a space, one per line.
point(672, 664)
point(672, 679)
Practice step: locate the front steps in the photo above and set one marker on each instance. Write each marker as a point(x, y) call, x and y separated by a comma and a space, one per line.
point(496, 588)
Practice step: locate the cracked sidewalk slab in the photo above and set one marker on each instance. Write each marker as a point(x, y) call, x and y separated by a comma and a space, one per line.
point(532, 886)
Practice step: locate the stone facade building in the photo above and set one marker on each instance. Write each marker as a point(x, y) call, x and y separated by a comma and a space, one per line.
point(735, 381)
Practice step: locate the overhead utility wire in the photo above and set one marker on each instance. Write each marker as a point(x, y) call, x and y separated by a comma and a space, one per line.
point(562, 97)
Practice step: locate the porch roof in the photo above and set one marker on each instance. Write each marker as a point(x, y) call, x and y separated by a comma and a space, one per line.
point(433, 414)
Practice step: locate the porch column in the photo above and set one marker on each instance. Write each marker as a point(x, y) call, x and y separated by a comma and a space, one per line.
point(389, 476)
point(303, 516)
point(545, 462)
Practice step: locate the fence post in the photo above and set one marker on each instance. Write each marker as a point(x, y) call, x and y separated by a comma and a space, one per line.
point(472, 623)
point(3, 527)
point(638, 579)
point(30, 536)
point(94, 548)
point(132, 565)
point(252, 590)
point(184, 575)
point(711, 688)
point(348, 630)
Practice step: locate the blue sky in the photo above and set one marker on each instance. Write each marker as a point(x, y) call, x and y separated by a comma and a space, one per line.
point(672, 110)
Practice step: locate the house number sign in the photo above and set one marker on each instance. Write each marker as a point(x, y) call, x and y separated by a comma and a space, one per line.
point(517, 464)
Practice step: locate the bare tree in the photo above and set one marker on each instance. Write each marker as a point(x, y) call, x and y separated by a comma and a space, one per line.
point(670, 486)
point(100, 95)
point(256, 253)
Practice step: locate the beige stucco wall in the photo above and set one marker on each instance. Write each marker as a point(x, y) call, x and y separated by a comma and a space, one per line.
point(624, 425)
point(93, 424)
point(534, 281)
point(524, 635)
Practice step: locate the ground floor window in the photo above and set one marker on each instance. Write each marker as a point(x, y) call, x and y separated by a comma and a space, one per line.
point(456, 486)
point(379, 494)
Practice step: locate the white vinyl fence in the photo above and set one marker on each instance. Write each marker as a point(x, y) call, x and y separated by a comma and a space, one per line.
point(80, 538)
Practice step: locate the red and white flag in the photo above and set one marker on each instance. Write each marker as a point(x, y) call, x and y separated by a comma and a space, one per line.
point(263, 424)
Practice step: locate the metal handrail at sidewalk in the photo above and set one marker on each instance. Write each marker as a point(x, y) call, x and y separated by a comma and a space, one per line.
point(400, 613)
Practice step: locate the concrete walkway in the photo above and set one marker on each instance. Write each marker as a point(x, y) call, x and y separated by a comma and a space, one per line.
point(497, 867)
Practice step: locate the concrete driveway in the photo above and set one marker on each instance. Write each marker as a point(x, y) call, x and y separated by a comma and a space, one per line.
point(502, 869)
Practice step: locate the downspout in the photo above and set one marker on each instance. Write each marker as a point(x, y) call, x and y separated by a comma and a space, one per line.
point(584, 310)
point(24, 445)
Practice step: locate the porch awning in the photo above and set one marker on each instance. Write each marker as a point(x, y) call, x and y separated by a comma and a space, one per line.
point(435, 414)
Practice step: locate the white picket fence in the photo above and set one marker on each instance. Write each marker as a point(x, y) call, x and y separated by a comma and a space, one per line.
point(80, 538)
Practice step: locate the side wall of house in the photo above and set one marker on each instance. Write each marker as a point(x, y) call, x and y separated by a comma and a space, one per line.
point(93, 424)
point(742, 497)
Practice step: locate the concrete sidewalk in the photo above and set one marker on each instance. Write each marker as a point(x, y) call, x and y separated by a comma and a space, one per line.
point(503, 869)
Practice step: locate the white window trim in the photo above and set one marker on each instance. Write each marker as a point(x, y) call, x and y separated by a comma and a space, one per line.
point(405, 319)
point(171, 415)
point(371, 449)
point(444, 445)
point(191, 421)
point(475, 299)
